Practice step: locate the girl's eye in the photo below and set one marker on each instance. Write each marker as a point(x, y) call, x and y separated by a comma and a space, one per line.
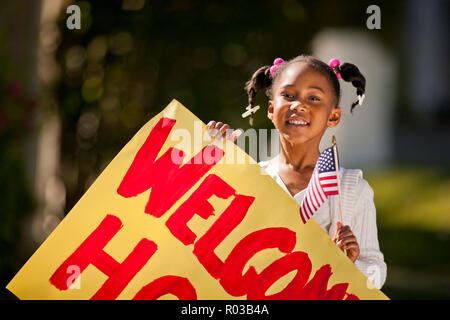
point(287, 95)
point(314, 98)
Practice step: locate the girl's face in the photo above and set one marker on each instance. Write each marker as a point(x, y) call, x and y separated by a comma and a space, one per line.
point(303, 104)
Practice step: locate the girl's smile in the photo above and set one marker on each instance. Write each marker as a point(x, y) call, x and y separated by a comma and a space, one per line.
point(295, 120)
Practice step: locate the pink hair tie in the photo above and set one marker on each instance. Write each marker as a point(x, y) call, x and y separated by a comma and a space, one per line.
point(334, 64)
point(276, 63)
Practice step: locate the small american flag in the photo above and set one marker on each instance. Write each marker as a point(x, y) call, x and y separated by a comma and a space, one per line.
point(323, 183)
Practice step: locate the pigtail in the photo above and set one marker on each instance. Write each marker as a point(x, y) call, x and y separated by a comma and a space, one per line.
point(261, 79)
point(351, 73)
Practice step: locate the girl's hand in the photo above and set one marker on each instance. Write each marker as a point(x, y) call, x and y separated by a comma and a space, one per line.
point(345, 240)
point(221, 130)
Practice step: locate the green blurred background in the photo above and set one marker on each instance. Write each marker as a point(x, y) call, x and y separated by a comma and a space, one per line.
point(71, 99)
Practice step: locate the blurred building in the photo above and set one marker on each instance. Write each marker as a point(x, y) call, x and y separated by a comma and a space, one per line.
point(365, 137)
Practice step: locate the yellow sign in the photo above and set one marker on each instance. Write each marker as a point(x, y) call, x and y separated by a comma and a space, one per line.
point(174, 216)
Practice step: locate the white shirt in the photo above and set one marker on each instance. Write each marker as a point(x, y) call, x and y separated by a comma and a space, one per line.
point(358, 212)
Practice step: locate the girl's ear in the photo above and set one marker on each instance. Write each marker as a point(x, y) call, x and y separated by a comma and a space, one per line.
point(270, 110)
point(335, 117)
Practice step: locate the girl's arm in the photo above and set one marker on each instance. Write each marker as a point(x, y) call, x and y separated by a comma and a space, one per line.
point(371, 259)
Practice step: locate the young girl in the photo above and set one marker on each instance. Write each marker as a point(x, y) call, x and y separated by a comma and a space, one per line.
point(304, 95)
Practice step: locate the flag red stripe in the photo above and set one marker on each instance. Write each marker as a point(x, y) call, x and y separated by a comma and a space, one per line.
point(328, 177)
point(320, 191)
point(314, 191)
point(301, 215)
point(327, 174)
point(310, 212)
point(310, 199)
point(305, 209)
point(307, 215)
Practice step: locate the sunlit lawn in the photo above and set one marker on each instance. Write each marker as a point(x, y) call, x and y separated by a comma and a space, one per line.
point(413, 215)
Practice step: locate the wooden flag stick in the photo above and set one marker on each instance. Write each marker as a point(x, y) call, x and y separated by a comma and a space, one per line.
point(336, 161)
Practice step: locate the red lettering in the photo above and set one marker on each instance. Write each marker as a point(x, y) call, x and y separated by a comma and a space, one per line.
point(164, 176)
point(316, 288)
point(91, 252)
point(351, 297)
point(197, 204)
point(231, 277)
point(337, 292)
point(178, 286)
point(228, 220)
point(293, 261)
point(256, 285)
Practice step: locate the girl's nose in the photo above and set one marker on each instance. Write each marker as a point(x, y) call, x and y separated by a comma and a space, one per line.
point(297, 106)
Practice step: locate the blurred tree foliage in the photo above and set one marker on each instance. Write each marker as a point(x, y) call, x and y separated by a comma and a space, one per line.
point(18, 106)
point(17, 110)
